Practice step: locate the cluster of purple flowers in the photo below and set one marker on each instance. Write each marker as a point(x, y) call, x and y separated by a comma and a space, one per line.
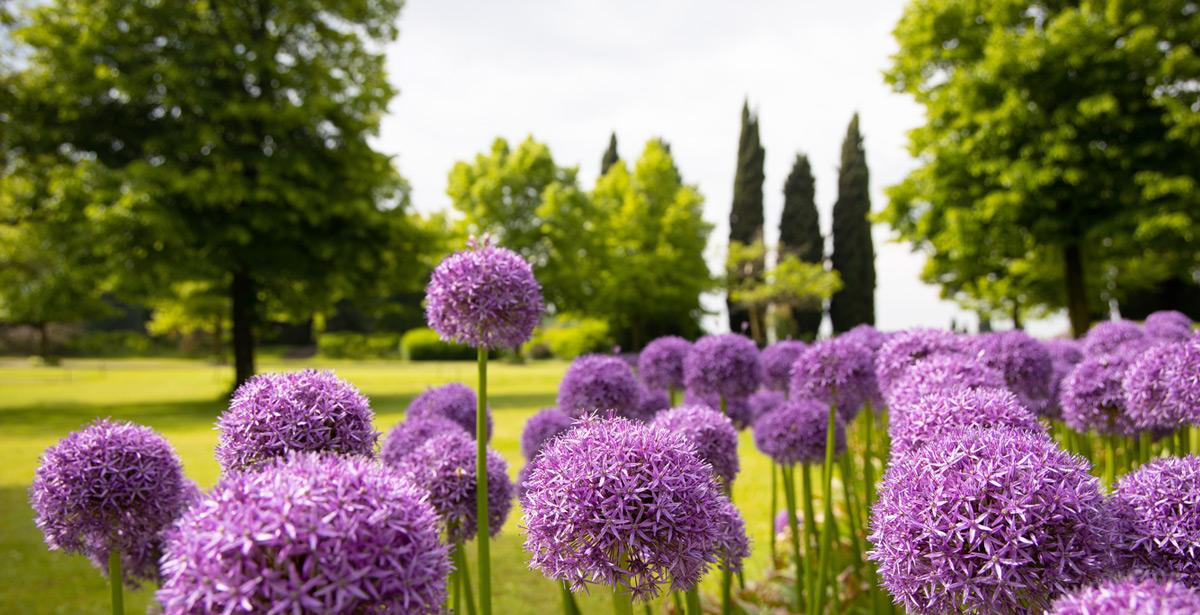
point(660, 364)
point(1130, 596)
point(950, 410)
point(406, 436)
point(597, 383)
point(1157, 508)
point(711, 433)
point(455, 401)
point(777, 360)
point(836, 371)
point(794, 432)
point(723, 365)
point(444, 468)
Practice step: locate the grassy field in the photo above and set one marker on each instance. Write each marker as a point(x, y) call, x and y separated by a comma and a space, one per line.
point(181, 399)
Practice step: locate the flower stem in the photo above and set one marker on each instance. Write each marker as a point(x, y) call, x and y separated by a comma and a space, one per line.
point(693, 601)
point(789, 495)
point(569, 606)
point(678, 602)
point(454, 598)
point(810, 534)
point(622, 601)
point(674, 393)
point(774, 508)
point(869, 461)
point(826, 548)
point(852, 511)
point(464, 576)
point(116, 581)
point(726, 591)
point(481, 489)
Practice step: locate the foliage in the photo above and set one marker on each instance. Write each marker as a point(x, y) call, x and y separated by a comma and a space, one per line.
point(423, 344)
point(746, 211)
point(569, 336)
point(348, 345)
point(790, 284)
point(853, 250)
point(610, 155)
point(800, 236)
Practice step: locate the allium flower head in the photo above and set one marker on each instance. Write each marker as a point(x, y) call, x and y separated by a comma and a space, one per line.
point(938, 373)
point(1064, 354)
point(711, 433)
point(455, 401)
point(1168, 326)
point(1130, 596)
point(988, 521)
point(836, 371)
point(868, 336)
point(660, 364)
point(541, 428)
point(1162, 386)
point(733, 545)
point(649, 403)
point(272, 415)
point(445, 468)
point(795, 432)
point(1114, 336)
point(110, 485)
point(763, 402)
point(777, 360)
point(312, 534)
point(902, 350)
point(406, 436)
point(597, 383)
point(1091, 396)
point(930, 417)
point(1024, 362)
point(738, 409)
point(1064, 351)
point(484, 297)
point(725, 365)
point(1157, 508)
point(619, 503)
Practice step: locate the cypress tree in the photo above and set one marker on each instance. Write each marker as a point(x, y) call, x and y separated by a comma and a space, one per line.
point(610, 155)
point(800, 235)
point(746, 213)
point(853, 253)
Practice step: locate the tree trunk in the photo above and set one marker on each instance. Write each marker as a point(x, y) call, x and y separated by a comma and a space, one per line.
point(755, 325)
point(219, 339)
point(44, 342)
point(244, 296)
point(1016, 317)
point(1077, 303)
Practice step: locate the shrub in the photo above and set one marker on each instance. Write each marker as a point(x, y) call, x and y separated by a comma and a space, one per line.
point(347, 345)
point(568, 338)
point(424, 345)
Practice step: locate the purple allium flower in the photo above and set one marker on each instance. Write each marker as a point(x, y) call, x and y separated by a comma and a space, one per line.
point(455, 401)
point(763, 402)
point(1162, 386)
point(988, 521)
point(1068, 352)
point(1157, 508)
point(711, 433)
point(311, 533)
point(868, 336)
point(649, 403)
point(902, 350)
point(736, 408)
point(939, 373)
point(777, 360)
point(272, 415)
point(1168, 325)
point(725, 365)
point(1025, 363)
point(926, 419)
point(541, 428)
point(795, 432)
point(1130, 596)
point(620, 503)
point(1092, 398)
point(1064, 354)
point(484, 297)
point(445, 467)
point(598, 383)
point(660, 365)
point(733, 545)
point(836, 371)
point(111, 485)
point(406, 436)
point(1114, 336)
point(781, 522)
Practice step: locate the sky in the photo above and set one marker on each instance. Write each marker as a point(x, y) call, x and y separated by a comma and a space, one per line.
point(570, 72)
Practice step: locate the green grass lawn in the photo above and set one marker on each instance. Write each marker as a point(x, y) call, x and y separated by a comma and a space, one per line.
point(182, 398)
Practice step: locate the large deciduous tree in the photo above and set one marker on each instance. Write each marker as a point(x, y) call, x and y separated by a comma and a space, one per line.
point(244, 125)
point(746, 211)
point(1059, 165)
point(853, 254)
point(800, 236)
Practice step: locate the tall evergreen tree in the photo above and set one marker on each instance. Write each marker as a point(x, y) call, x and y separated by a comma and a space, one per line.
point(853, 253)
point(800, 236)
point(610, 155)
point(746, 213)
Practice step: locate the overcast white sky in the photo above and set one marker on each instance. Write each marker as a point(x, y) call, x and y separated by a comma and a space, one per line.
point(570, 72)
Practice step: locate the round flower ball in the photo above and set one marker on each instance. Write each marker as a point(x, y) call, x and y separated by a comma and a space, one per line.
point(408, 435)
point(596, 383)
point(649, 403)
point(868, 336)
point(903, 350)
point(444, 467)
point(111, 485)
point(455, 401)
point(1064, 355)
point(1130, 596)
point(777, 360)
point(988, 521)
point(272, 415)
point(732, 543)
point(936, 414)
point(940, 373)
point(1113, 336)
point(795, 432)
point(313, 534)
point(1092, 397)
point(1168, 326)
point(736, 408)
point(622, 504)
point(723, 365)
point(1157, 508)
point(660, 364)
point(836, 371)
point(1162, 386)
point(485, 297)
point(1025, 363)
point(710, 432)
point(763, 402)
point(541, 428)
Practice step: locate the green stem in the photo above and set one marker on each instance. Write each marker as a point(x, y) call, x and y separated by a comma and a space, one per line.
point(455, 597)
point(464, 575)
point(774, 509)
point(622, 601)
point(726, 591)
point(724, 410)
point(826, 547)
point(674, 393)
point(678, 602)
point(789, 494)
point(1110, 468)
point(693, 601)
point(869, 460)
point(481, 490)
point(116, 581)
point(810, 534)
point(569, 606)
point(852, 511)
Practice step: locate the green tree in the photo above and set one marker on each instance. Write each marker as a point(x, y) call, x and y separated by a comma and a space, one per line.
point(853, 250)
point(746, 212)
point(244, 123)
point(610, 155)
point(800, 236)
point(792, 285)
point(1065, 134)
